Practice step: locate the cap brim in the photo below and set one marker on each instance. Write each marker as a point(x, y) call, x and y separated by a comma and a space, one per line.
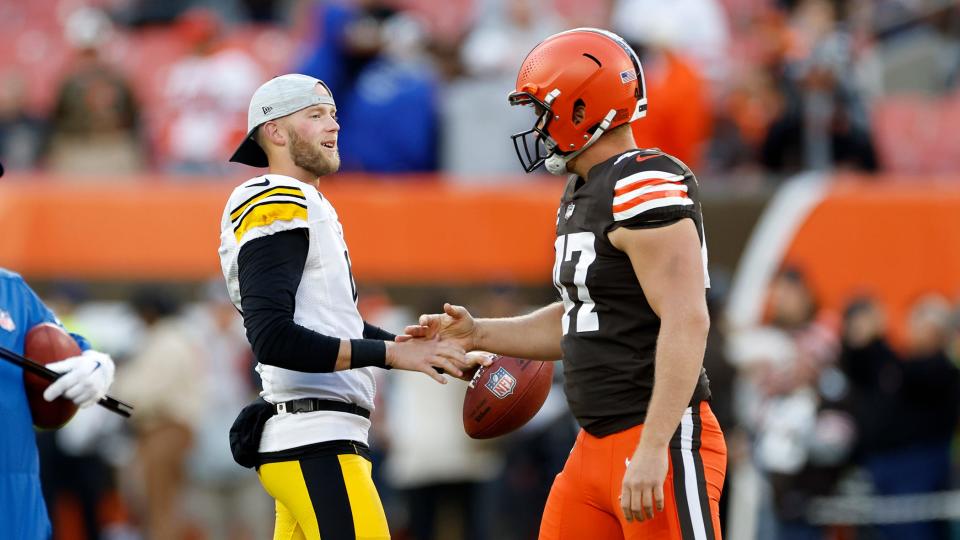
point(250, 153)
point(1, 169)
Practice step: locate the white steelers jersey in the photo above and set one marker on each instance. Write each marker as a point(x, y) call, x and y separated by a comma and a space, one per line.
point(325, 303)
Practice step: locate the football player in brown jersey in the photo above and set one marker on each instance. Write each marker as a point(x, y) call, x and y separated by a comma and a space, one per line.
point(632, 325)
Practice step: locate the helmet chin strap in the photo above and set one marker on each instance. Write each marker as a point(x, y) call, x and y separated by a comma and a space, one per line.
point(556, 164)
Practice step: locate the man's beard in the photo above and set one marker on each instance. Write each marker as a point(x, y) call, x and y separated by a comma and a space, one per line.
point(310, 158)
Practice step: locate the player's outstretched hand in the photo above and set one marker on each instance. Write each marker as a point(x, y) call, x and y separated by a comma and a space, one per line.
point(426, 354)
point(642, 489)
point(454, 324)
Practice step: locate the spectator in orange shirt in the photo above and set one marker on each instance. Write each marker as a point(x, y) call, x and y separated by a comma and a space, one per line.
point(680, 124)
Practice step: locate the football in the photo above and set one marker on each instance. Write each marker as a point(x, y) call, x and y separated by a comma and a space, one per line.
point(47, 343)
point(505, 395)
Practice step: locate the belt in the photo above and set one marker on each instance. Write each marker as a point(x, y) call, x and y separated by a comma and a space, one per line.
point(316, 404)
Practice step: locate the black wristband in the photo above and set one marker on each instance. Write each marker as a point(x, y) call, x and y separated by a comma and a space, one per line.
point(368, 353)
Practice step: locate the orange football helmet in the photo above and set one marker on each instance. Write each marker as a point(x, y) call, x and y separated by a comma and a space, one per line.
point(582, 83)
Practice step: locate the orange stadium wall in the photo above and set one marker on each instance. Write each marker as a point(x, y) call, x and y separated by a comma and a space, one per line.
point(894, 241)
point(891, 238)
point(420, 230)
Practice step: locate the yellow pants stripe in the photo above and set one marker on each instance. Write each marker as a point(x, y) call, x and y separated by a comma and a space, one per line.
point(369, 520)
point(296, 519)
point(331, 496)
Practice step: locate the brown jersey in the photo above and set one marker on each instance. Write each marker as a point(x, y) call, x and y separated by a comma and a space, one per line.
point(609, 329)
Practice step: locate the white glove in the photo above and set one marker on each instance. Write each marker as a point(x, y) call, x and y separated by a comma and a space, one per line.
point(85, 378)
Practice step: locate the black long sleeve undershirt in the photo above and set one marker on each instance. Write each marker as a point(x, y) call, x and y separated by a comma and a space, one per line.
point(375, 332)
point(270, 269)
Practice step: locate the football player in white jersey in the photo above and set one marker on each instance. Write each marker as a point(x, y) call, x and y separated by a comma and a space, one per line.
point(288, 271)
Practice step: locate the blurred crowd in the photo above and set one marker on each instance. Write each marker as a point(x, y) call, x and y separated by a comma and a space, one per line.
point(743, 89)
point(849, 406)
point(838, 404)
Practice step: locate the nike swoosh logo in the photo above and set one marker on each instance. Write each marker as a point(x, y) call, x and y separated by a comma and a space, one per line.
point(265, 183)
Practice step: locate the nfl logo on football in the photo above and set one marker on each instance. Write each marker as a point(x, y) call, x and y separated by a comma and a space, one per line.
point(501, 383)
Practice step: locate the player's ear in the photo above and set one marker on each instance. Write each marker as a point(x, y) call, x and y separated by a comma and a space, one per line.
point(273, 132)
point(579, 111)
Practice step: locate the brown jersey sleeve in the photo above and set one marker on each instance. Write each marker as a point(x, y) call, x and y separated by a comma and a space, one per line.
point(651, 190)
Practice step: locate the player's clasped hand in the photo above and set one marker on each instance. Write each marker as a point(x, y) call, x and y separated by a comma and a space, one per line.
point(454, 324)
point(643, 480)
point(425, 354)
point(85, 378)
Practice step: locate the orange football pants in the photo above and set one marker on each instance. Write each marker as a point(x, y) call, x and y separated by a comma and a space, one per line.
point(584, 502)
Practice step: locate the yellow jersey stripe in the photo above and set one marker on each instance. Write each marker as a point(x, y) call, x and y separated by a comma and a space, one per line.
point(369, 520)
point(284, 482)
point(279, 190)
point(265, 213)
